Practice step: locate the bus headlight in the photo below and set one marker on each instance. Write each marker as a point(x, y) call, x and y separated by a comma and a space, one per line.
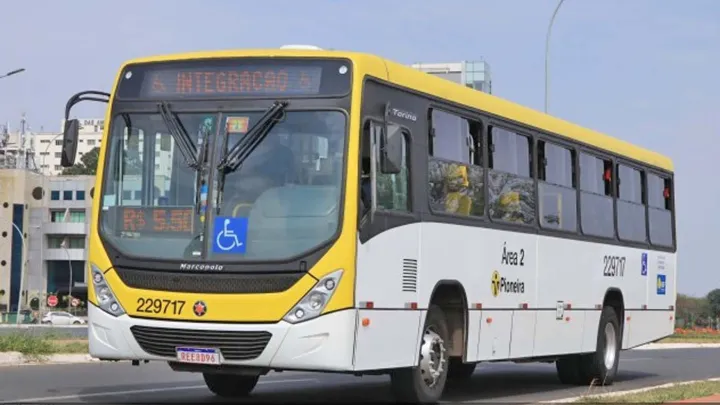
point(105, 297)
point(313, 303)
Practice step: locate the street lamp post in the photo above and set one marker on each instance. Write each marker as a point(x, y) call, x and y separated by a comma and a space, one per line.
point(12, 72)
point(22, 273)
point(547, 50)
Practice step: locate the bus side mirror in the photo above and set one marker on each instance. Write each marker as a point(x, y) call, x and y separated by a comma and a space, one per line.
point(391, 153)
point(70, 142)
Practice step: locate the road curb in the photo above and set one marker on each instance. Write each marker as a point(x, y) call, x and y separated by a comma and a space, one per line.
point(626, 392)
point(18, 359)
point(662, 346)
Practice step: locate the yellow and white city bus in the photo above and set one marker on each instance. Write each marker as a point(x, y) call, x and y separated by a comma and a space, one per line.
point(305, 209)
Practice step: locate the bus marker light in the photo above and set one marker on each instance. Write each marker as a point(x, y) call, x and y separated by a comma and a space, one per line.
point(366, 322)
point(489, 320)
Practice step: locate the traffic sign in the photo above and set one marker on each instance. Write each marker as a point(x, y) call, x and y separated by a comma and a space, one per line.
point(75, 302)
point(52, 300)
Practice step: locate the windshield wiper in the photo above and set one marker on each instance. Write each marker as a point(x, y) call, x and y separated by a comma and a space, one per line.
point(181, 137)
point(237, 155)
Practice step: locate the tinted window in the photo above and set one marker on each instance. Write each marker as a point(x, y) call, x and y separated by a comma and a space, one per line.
point(510, 152)
point(456, 178)
point(659, 210)
point(456, 189)
point(557, 195)
point(67, 195)
point(630, 208)
point(511, 187)
point(454, 138)
point(55, 195)
point(596, 201)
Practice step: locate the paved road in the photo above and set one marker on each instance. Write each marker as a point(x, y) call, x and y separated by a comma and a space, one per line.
point(505, 382)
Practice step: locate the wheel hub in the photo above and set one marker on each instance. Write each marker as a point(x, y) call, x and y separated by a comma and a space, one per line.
point(610, 346)
point(432, 357)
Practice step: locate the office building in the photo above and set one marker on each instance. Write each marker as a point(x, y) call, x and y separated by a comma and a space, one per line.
point(44, 223)
point(473, 74)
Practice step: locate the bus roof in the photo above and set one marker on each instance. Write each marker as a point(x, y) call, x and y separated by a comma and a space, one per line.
point(411, 78)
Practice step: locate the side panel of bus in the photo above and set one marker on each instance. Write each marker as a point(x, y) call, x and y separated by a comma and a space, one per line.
point(529, 293)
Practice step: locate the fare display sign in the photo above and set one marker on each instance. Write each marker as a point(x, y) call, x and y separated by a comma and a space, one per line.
point(155, 220)
point(235, 78)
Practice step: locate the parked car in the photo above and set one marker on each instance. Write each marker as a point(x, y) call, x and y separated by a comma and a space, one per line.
point(61, 318)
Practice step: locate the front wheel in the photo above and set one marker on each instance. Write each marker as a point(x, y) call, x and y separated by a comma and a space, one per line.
point(230, 385)
point(425, 382)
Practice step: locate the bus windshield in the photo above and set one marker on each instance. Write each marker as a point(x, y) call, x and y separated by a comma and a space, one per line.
point(282, 201)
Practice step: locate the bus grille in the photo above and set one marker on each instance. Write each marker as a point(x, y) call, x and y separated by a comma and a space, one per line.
point(208, 283)
point(234, 345)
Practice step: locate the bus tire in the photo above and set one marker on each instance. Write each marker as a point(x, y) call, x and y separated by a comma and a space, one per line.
point(425, 382)
point(230, 385)
point(602, 365)
point(459, 371)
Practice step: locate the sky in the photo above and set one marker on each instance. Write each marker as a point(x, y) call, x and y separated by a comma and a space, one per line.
point(643, 70)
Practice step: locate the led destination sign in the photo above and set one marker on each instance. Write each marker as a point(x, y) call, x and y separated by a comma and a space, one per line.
point(235, 79)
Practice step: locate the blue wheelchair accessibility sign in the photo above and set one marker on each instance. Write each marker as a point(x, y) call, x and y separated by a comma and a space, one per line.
point(230, 235)
point(643, 264)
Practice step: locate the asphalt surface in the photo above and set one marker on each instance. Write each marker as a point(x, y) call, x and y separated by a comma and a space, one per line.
point(499, 382)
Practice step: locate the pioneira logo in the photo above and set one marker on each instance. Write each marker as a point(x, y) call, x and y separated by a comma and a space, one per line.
point(201, 267)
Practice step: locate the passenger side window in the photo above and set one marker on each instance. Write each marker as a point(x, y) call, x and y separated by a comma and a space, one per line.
point(596, 201)
point(456, 176)
point(557, 188)
point(630, 207)
point(660, 210)
point(510, 183)
point(393, 189)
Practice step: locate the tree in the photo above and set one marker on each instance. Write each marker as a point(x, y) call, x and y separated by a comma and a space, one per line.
point(713, 299)
point(87, 164)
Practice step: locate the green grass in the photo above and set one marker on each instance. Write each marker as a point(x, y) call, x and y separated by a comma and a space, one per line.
point(660, 395)
point(692, 338)
point(39, 346)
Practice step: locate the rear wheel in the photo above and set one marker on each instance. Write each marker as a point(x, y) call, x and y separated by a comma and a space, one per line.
point(602, 365)
point(425, 382)
point(230, 385)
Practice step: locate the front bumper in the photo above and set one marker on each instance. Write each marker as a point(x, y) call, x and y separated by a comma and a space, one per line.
point(324, 343)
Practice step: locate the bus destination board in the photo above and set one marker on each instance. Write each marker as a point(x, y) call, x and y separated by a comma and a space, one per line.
point(234, 79)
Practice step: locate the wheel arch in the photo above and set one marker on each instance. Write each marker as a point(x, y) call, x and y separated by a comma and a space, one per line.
point(450, 296)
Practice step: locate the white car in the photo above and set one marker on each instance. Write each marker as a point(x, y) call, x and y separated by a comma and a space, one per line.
point(62, 318)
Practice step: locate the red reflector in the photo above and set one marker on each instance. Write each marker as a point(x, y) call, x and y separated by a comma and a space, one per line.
point(478, 306)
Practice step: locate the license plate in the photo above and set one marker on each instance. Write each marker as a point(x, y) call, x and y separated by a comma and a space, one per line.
point(197, 355)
